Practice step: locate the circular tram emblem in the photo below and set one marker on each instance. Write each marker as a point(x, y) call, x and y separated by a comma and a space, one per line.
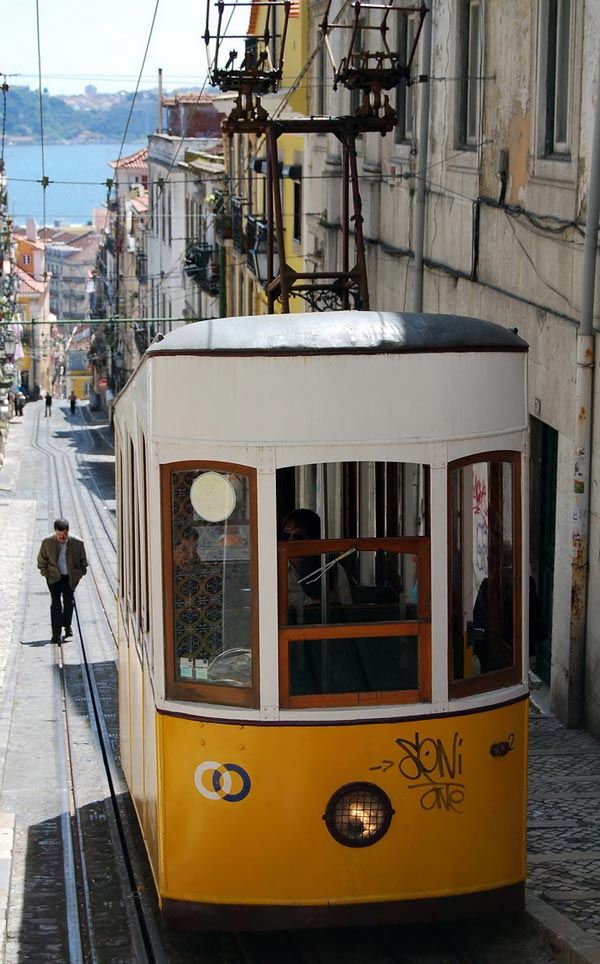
point(222, 781)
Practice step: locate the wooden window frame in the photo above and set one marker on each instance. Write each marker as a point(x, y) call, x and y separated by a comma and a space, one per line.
point(558, 77)
point(512, 675)
point(469, 86)
point(404, 131)
point(420, 546)
point(297, 213)
point(194, 691)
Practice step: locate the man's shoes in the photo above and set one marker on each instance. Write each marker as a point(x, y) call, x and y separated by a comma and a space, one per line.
point(55, 640)
point(68, 632)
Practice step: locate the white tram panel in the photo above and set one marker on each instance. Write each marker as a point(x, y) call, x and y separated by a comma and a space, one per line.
point(270, 395)
point(310, 395)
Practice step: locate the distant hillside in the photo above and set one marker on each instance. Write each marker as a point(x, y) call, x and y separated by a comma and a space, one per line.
point(63, 123)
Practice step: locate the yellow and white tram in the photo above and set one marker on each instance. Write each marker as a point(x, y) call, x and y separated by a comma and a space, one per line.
point(328, 729)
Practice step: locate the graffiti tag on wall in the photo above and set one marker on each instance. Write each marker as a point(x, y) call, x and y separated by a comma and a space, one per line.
point(434, 769)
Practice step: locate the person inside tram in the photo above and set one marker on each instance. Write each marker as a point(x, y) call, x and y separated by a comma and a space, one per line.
point(305, 573)
point(493, 619)
point(493, 614)
point(185, 552)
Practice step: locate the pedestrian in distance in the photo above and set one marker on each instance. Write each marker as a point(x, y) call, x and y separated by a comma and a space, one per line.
point(62, 562)
point(48, 410)
point(19, 403)
point(73, 402)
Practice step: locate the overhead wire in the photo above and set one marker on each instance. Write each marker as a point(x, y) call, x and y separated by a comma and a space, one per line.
point(41, 102)
point(4, 93)
point(154, 201)
point(137, 86)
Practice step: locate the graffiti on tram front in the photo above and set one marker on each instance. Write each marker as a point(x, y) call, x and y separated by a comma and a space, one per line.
point(433, 768)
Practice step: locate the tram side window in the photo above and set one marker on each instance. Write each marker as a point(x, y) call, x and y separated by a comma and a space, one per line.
point(120, 519)
point(485, 578)
point(210, 549)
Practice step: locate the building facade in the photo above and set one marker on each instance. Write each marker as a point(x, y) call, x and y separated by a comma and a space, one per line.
point(477, 205)
point(33, 306)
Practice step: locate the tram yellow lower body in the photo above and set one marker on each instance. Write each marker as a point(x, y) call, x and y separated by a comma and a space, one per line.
point(233, 814)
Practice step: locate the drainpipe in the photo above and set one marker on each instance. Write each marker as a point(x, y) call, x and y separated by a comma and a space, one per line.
point(423, 149)
point(583, 441)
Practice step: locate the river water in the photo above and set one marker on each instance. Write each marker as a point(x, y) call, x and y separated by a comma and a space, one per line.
point(77, 175)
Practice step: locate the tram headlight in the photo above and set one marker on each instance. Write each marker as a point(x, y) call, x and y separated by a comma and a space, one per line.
point(358, 814)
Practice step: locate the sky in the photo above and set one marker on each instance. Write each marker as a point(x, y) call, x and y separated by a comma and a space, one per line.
point(104, 43)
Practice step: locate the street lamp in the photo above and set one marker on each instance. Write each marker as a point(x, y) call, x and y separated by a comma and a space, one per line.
point(257, 258)
point(10, 344)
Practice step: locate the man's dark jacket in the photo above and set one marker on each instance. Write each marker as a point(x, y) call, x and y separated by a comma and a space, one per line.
point(47, 559)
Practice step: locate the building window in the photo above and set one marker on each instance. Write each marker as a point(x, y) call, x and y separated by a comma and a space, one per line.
point(405, 98)
point(321, 71)
point(297, 226)
point(557, 86)
point(273, 26)
point(469, 80)
point(356, 93)
point(169, 218)
point(26, 259)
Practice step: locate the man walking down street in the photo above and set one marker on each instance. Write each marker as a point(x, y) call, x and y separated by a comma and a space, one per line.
point(62, 562)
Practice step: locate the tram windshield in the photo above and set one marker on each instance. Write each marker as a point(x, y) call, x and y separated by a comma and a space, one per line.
point(354, 584)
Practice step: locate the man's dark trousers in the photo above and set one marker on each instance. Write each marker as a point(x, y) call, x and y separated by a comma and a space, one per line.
point(61, 607)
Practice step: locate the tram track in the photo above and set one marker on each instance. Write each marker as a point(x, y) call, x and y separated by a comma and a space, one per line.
point(81, 710)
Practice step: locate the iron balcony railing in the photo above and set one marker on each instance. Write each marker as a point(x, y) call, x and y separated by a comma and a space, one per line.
point(202, 265)
point(222, 217)
point(237, 224)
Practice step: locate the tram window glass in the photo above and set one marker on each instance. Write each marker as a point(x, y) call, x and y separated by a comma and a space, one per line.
point(131, 560)
point(359, 498)
point(120, 509)
point(347, 642)
point(364, 586)
point(210, 550)
point(354, 601)
point(485, 580)
point(134, 534)
point(146, 582)
point(372, 664)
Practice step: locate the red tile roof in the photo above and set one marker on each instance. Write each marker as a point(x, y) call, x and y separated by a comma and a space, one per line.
point(255, 10)
point(26, 282)
point(134, 162)
point(189, 98)
point(140, 204)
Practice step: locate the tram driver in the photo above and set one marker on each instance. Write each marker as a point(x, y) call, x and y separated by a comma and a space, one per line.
point(305, 573)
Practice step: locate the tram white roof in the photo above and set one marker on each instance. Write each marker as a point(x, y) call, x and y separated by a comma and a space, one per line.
point(343, 379)
point(361, 332)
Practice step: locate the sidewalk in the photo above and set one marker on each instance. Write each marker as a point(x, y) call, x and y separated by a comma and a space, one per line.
point(563, 834)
